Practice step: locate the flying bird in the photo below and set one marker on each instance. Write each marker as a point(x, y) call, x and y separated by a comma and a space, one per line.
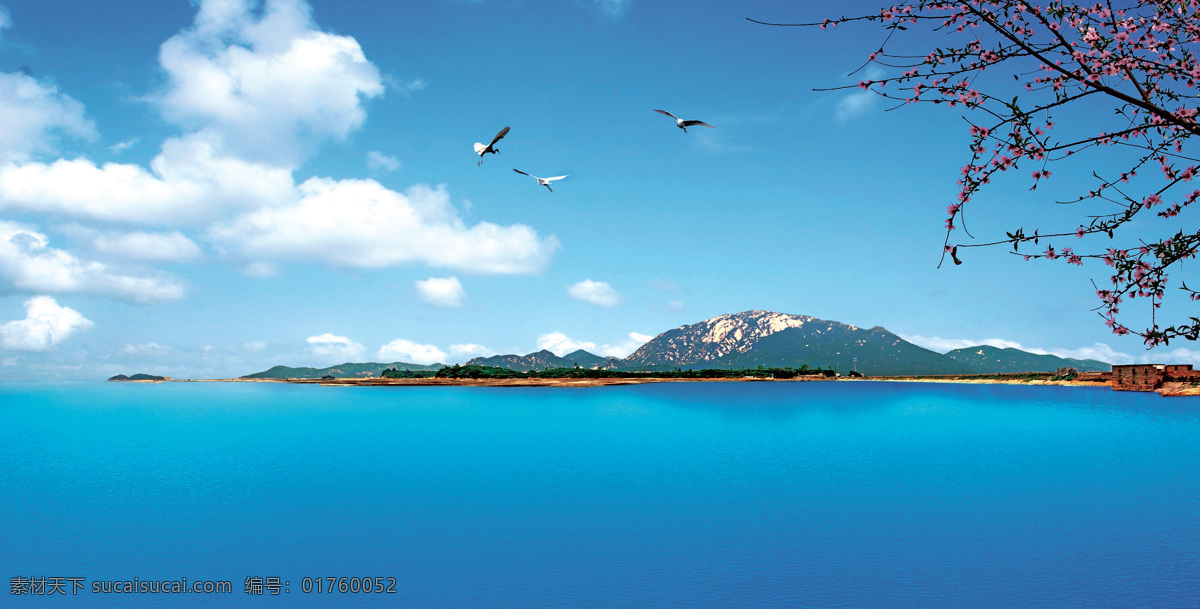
point(682, 124)
point(481, 150)
point(541, 181)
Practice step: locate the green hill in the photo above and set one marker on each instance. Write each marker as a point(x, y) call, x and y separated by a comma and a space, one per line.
point(987, 359)
point(347, 370)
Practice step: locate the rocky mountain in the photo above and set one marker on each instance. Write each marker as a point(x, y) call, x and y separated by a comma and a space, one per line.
point(347, 370)
point(545, 360)
point(992, 360)
point(751, 339)
point(754, 338)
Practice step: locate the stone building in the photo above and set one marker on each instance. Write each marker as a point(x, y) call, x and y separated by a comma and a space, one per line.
point(1148, 377)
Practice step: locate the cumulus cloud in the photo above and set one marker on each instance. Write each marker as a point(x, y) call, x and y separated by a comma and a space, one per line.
point(441, 291)
point(406, 351)
point(1104, 353)
point(28, 261)
point(45, 325)
point(623, 349)
point(1174, 356)
point(331, 347)
point(560, 345)
point(190, 181)
point(140, 245)
point(254, 90)
point(466, 351)
point(359, 223)
point(378, 161)
point(598, 293)
point(271, 86)
point(33, 114)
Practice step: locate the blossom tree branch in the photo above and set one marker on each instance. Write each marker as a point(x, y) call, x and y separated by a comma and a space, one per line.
point(1140, 57)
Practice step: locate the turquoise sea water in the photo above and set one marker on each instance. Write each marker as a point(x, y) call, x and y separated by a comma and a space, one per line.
point(885, 495)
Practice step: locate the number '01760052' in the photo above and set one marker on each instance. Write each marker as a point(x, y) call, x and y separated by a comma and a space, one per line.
point(378, 585)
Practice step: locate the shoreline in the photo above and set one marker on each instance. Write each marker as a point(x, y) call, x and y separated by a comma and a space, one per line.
point(603, 382)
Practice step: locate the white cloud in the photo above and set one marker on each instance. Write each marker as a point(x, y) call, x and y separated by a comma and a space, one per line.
point(623, 349)
point(378, 161)
point(27, 260)
point(463, 352)
point(259, 270)
point(1104, 353)
point(406, 88)
point(560, 345)
point(406, 351)
point(675, 306)
point(120, 147)
point(860, 101)
point(257, 345)
point(666, 285)
point(854, 105)
point(146, 349)
point(359, 223)
point(1174, 356)
point(5, 20)
point(614, 8)
point(138, 245)
point(331, 347)
point(191, 180)
point(441, 291)
point(598, 293)
point(254, 92)
point(33, 114)
point(45, 325)
point(271, 86)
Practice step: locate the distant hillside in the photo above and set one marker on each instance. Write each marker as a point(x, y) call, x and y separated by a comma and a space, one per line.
point(591, 360)
point(986, 359)
point(140, 377)
point(765, 338)
point(347, 370)
point(540, 360)
point(749, 340)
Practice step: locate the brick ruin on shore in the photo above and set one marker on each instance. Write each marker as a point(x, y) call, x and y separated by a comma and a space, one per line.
point(1149, 377)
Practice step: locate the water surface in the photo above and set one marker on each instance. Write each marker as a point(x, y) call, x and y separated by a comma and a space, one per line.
point(888, 495)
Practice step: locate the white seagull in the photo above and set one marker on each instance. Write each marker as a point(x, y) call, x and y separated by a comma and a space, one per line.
point(541, 181)
point(481, 150)
point(682, 124)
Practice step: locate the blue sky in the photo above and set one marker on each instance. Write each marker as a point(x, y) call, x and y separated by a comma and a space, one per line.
point(208, 189)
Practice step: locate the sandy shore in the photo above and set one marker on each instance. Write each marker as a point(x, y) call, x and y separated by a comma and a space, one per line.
point(988, 381)
point(530, 382)
point(565, 382)
point(1169, 389)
